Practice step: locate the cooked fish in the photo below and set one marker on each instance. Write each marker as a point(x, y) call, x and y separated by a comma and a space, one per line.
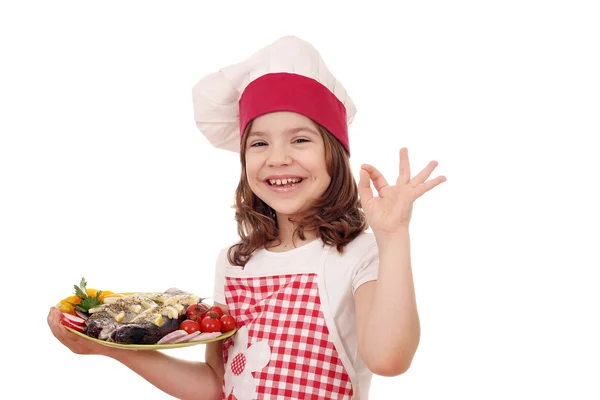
point(140, 318)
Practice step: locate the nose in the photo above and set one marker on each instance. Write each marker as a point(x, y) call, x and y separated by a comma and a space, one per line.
point(278, 156)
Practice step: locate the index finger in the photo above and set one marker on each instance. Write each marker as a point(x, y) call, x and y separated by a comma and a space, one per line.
point(376, 176)
point(404, 173)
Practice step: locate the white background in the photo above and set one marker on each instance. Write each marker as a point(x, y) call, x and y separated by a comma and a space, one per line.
point(103, 174)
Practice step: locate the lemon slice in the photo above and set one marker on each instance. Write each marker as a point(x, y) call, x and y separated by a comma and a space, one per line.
point(158, 319)
point(170, 311)
point(117, 316)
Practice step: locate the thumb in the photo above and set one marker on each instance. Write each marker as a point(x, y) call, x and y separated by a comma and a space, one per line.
point(364, 187)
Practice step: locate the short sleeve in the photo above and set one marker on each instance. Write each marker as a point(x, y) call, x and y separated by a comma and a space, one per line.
point(219, 289)
point(367, 267)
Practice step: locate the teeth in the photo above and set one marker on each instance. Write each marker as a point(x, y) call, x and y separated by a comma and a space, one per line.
point(278, 182)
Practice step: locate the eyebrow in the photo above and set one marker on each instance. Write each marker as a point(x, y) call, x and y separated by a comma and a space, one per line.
point(289, 131)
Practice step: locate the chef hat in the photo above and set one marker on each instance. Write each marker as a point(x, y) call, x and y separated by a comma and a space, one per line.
point(287, 75)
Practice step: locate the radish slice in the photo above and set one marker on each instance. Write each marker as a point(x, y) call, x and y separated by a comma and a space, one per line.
point(71, 325)
point(205, 336)
point(186, 338)
point(81, 314)
point(172, 336)
point(75, 320)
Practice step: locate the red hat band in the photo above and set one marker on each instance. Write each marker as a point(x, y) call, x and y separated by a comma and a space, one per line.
point(294, 93)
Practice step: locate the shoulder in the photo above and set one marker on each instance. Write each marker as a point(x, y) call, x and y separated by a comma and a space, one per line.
point(365, 239)
point(357, 264)
point(365, 242)
point(363, 245)
point(222, 258)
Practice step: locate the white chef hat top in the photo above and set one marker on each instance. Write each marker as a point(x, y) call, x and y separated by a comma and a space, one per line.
point(287, 75)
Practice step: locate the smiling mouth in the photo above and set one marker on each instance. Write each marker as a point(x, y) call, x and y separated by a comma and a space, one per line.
point(286, 182)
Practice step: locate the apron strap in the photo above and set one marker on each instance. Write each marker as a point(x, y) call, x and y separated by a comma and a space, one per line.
point(333, 333)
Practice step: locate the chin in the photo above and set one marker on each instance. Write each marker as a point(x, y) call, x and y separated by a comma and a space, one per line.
point(285, 208)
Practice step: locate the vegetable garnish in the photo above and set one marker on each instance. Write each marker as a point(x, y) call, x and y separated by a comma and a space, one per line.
point(87, 302)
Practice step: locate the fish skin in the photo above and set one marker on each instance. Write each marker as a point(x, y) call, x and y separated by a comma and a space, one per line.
point(146, 333)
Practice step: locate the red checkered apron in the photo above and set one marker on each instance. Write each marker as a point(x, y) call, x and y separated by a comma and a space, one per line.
point(283, 311)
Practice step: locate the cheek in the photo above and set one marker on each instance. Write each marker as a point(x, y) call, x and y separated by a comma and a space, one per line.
point(252, 173)
point(251, 177)
point(321, 172)
point(325, 180)
point(322, 179)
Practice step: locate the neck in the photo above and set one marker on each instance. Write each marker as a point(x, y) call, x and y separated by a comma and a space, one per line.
point(286, 232)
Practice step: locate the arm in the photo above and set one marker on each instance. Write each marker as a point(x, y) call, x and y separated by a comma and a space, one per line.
point(167, 373)
point(389, 302)
point(203, 380)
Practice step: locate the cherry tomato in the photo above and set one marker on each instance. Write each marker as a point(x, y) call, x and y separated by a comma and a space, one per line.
point(209, 324)
point(196, 309)
point(189, 326)
point(212, 314)
point(227, 323)
point(196, 317)
point(218, 310)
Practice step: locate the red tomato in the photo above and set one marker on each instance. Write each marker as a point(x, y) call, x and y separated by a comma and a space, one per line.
point(218, 310)
point(196, 317)
point(212, 314)
point(227, 323)
point(209, 324)
point(196, 309)
point(189, 326)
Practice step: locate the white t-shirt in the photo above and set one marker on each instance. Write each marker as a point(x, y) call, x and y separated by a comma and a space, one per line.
point(343, 274)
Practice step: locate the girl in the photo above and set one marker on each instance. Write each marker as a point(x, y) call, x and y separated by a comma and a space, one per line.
point(309, 287)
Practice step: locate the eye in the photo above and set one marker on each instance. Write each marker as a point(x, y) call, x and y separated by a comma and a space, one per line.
point(258, 144)
point(301, 140)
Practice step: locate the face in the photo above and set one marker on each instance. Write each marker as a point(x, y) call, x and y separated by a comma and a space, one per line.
point(285, 162)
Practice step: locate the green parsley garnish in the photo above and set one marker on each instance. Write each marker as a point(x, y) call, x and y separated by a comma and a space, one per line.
point(87, 302)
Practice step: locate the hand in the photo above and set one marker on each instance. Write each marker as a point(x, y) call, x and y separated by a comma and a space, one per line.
point(75, 343)
point(392, 210)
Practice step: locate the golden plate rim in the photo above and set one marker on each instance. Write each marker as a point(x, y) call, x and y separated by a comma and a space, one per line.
point(153, 346)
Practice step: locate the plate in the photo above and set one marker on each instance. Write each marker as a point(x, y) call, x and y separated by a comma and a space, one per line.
point(152, 346)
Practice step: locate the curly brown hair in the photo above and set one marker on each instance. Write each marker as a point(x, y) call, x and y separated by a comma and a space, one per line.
point(337, 216)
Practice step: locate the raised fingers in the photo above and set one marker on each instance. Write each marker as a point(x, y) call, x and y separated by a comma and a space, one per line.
point(377, 177)
point(424, 174)
point(404, 173)
point(427, 186)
